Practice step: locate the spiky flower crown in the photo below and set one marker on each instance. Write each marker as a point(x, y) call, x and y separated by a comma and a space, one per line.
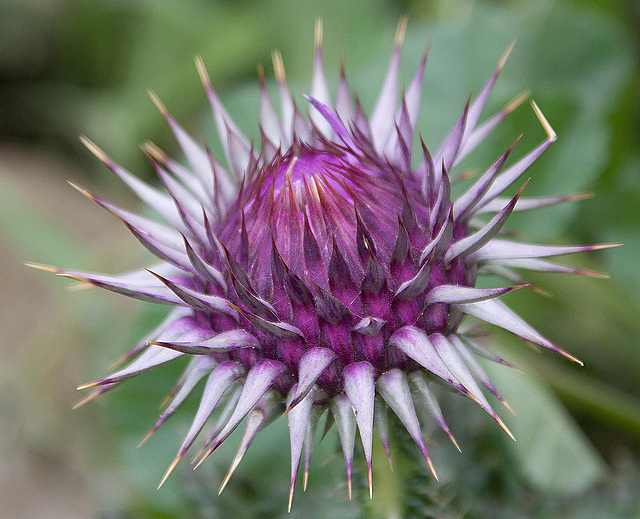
point(324, 272)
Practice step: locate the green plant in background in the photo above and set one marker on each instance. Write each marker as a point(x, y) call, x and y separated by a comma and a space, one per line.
point(580, 87)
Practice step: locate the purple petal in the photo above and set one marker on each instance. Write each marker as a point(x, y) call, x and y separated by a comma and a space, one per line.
point(475, 110)
point(224, 123)
point(474, 194)
point(394, 388)
point(309, 440)
point(158, 201)
point(217, 383)
point(197, 368)
point(208, 273)
point(541, 265)
point(331, 120)
point(476, 369)
point(485, 353)
point(286, 99)
point(149, 291)
point(470, 244)
point(195, 155)
point(298, 419)
point(381, 420)
point(451, 294)
point(382, 115)
point(319, 88)
point(269, 120)
point(259, 379)
point(454, 361)
point(256, 419)
point(346, 423)
point(478, 135)
point(416, 285)
point(223, 342)
point(498, 249)
point(415, 90)
point(440, 243)
point(344, 104)
point(369, 326)
point(496, 312)
point(510, 175)
point(360, 386)
point(311, 365)
point(195, 184)
point(425, 396)
point(188, 200)
point(524, 204)
point(277, 330)
point(415, 343)
point(446, 154)
point(204, 302)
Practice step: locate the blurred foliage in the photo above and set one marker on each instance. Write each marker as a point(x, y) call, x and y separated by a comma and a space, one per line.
point(70, 67)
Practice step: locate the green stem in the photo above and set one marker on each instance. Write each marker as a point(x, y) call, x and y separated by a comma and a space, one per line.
point(387, 487)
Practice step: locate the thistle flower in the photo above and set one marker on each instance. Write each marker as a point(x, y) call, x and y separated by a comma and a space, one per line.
point(323, 271)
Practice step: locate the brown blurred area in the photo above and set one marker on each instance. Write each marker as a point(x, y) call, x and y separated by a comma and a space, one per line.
point(45, 447)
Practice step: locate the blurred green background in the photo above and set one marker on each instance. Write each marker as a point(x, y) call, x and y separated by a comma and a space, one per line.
point(71, 67)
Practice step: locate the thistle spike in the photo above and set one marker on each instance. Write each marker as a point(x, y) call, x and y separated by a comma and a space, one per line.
point(418, 381)
point(346, 423)
point(319, 89)
point(298, 420)
point(359, 384)
point(382, 116)
point(255, 421)
point(259, 379)
point(344, 104)
point(394, 388)
point(312, 364)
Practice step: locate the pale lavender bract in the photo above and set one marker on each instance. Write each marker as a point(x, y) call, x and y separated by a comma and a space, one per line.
point(322, 272)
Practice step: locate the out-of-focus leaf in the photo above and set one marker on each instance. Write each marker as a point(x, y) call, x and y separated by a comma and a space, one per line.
point(552, 452)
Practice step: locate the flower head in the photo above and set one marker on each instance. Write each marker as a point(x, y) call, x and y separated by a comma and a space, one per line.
point(323, 271)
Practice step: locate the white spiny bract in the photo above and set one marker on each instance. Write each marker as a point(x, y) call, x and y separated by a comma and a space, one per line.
point(322, 272)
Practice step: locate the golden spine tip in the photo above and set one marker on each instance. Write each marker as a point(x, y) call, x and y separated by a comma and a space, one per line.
point(206, 455)
point(504, 427)
point(551, 134)
point(401, 31)
point(318, 34)
point(453, 440)
point(517, 101)
point(80, 189)
point(146, 438)
point(153, 150)
point(86, 400)
point(156, 101)
point(278, 66)
point(432, 469)
point(202, 72)
point(290, 499)
point(45, 268)
point(505, 56)
point(506, 404)
point(94, 148)
point(173, 465)
point(89, 385)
